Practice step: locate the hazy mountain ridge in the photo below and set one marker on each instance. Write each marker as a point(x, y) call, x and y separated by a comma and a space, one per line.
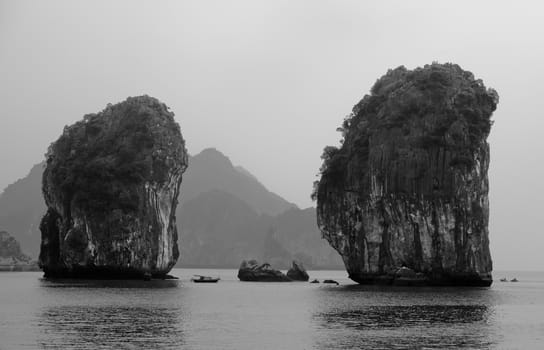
point(212, 170)
point(297, 231)
point(245, 172)
point(21, 209)
point(218, 229)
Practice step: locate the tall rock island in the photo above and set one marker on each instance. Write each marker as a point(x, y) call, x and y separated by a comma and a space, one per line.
point(405, 197)
point(111, 186)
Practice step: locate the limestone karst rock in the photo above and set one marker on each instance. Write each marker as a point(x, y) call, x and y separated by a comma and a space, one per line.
point(297, 272)
point(252, 271)
point(111, 186)
point(408, 186)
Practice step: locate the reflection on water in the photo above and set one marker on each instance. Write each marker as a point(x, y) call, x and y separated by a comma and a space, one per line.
point(403, 327)
point(406, 319)
point(79, 327)
point(109, 314)
point(75, 283)
point(407, 316)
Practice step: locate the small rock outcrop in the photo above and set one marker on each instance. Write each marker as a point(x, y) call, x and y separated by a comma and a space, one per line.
point(408, 186)
point(252, 271)
point(111, 187)
point(297, 272)
point(11, 256)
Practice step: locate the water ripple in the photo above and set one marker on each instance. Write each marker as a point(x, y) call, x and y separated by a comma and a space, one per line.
point(110, 327)
point(405, 327)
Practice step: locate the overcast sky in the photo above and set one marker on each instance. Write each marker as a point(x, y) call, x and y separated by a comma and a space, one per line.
point(268, 83)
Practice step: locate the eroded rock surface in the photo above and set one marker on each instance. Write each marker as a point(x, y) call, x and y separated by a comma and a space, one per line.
point(409, 186)
point(297, 272)
point(111, 186)
point(252, 271)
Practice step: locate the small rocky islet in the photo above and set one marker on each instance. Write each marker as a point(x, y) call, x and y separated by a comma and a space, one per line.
point(404, 200)
point(11, 256)
point(253, 271)
point(111, 187)
point(297, 272)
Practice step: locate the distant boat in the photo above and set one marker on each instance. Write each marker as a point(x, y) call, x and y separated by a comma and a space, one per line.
point(514, 280)
point(503, 280)
point(204, 279)
point(331, 282)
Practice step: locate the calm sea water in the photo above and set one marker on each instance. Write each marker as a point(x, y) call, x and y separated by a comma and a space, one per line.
point(40, 314)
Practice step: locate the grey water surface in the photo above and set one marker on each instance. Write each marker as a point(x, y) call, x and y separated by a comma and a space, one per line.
point(178, 314)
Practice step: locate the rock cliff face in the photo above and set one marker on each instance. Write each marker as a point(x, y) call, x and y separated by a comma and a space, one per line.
point(409, 187)
point(111, 186)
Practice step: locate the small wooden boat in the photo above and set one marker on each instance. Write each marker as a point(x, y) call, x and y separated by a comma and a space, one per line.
point(331, 282)
point(204, 279)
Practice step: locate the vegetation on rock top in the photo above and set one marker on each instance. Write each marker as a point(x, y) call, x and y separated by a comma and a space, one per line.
point(95, 161)
point(439, 105)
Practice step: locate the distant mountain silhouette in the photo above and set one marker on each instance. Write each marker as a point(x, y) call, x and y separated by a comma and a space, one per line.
point(225, 215)
point(212, 170)
point(21, 209)
point(217, 229)
point(296, 230)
